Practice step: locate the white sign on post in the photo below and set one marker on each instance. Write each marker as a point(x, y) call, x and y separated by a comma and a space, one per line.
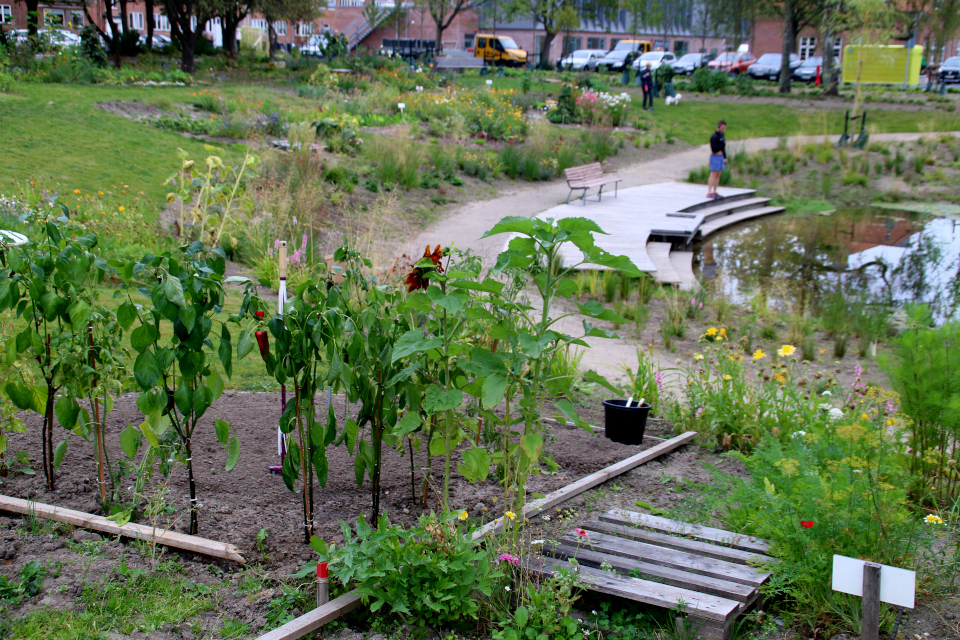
point(897, 586)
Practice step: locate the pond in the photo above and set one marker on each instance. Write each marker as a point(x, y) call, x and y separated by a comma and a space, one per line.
point(889, 255)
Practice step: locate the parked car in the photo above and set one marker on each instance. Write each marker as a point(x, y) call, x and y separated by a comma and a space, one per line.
point(807, 71)
point(614, 60)
point(950, 70)
point(690, 62)
point(655, 59)
point(160, 41)
point(732, 62)
point(499, 50)
point(54, 37)
point(583, 59)
point(767, 66)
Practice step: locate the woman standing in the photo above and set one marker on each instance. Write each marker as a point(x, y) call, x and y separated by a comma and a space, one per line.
point(718, 160)
point(646, 83)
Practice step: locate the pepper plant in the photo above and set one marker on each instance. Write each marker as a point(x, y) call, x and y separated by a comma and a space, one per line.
point(179, 347)
point(47, 282)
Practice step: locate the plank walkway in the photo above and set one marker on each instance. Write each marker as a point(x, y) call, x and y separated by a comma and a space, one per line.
point(642, 220)
point(661, 562)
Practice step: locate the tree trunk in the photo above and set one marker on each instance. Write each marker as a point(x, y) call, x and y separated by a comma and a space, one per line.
point(438, 34)
point(124, 21)
point(271, 39)
point(33, 12)
point(789, 43)
point(148, 9)
point(828, 74)
point(187, 45)
point(548, 37)
point(231, 21)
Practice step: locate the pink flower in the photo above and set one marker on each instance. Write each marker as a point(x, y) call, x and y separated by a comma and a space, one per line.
point(699, 411)
point(660, 384)
point(582, 533)
point(509, 559)
point(303, 245)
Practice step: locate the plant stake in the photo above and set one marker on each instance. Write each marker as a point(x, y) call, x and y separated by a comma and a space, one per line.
point(281, 301)
point(323, 584)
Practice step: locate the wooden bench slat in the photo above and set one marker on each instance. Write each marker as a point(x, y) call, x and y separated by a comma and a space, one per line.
point(697, 532)
point(699, 605)
point(670, 558)
point(681, 544)
point(674, 577)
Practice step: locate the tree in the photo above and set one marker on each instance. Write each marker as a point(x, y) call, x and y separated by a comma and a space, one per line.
point(868, 22)
point(232, 13)
point(797, 14)
point(443, 13)
point(635, 10)
point(943, 19)
point(116, 32)
point(187, 20)
point(289, 10)
point(703, 22)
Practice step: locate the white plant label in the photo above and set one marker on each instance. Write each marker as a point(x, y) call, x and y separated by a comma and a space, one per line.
point(897, 586)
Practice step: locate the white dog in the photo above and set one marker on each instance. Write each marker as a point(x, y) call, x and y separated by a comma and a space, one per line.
point(671, 100)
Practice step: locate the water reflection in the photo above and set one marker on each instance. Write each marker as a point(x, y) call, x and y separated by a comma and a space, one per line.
point(794, 260)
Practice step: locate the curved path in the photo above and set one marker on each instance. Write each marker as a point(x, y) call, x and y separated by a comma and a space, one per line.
point(464, 227)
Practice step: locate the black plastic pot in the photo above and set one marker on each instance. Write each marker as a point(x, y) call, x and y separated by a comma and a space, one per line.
point(625, 425)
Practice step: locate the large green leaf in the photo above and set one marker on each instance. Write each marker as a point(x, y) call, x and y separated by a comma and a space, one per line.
point(149, 434)
point(512, 224)
point(59, 451)
point(412, 342)
point(146, 370)
point(531, 445)
point(233, 453)
point(222, 429)
point(225, 351)
point(126, 314)
point(594, 309)
point(130, 441)
point(593, 376)
point(173, 290)
point(21, 396)
point(437, 399)
point(566, 408)
point(494, 388)
point(579, 224)
point(321, 465)
point(67, 410)
point(476, 465)
point(488, 285)
point(245, 343)
point(408, 424)
point(143, 336)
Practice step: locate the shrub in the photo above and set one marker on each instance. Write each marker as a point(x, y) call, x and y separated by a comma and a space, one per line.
point(745, 85)
point(431, 574)
point(706, 80)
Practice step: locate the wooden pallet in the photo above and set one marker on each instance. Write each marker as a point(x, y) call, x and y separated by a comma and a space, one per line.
point(713, 572)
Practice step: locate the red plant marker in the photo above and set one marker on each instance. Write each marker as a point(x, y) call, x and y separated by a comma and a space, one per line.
point(806, 524)
point(322, 570)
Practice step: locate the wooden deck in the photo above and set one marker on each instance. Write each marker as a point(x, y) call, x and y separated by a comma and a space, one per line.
point(662, 562)
point(654, 225)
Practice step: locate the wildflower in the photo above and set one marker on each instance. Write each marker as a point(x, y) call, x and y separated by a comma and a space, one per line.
point(507, 587)
point(806, 524)
point(786, 350)
point(727, 377)
point(509, 559)
point(100, 192)
point(537, 542)
point(463, 515)
point(723, 331)
point(419, 278)
point(779, 378)
point(76, 191)
point(822, 351)
point(836, 414)
point(698, 356)
point(581, 533)
point(121, 209)
point(712, 331)
point(759, 354)
point(511, 515)
point(864, 416)
point(699, 412)
point(932, 519)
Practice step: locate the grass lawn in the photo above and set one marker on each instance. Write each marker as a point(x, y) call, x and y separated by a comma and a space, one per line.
point(55, 135)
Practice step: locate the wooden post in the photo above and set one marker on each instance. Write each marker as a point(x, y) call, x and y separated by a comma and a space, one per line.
point(870, 626)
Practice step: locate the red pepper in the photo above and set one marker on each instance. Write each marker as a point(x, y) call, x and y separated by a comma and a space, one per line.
point(264, 343)
point(259, 314)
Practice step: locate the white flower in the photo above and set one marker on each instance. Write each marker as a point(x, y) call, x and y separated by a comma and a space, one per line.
point(826, 393)
point(507, 587)
point(536, 542)
point(836, 414)
point(799, 434)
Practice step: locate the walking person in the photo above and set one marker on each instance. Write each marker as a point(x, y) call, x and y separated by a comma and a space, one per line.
point(718, 160)
point(646, 83)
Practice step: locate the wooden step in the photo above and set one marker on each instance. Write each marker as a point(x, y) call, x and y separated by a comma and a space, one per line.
point(726, 207)
point(694, 531)
point(708, 203)
point(682, 263)
point(705, 607)
point(742, 593)
point(659, 253)
point(691, 562)
point(687, 545)
point(719, 223)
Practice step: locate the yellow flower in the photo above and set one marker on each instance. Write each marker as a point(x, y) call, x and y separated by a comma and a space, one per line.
point(76, 191)
point(698, 356)
point(121, 209)
point(780, 378)
point(759, 354)
point(786, 350)
point(864, 416)
point(723, 331)
point(822, 351)
point(719, 338)
point(100, 192)
point(727, 377)
point(712, 331)
point(463, 515)
point(511, 515)
point(932, 519)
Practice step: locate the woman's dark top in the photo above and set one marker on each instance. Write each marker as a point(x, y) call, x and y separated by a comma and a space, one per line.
point(718, 144)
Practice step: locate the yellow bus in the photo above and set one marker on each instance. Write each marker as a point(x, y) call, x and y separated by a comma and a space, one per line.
point(499, 50)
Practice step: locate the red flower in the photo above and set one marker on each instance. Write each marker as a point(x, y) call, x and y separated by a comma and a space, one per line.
point(419, 277)
point(806, 524)
point(259, 314)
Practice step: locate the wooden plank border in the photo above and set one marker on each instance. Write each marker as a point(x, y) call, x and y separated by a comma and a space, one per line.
point(130, 530)
point(313, 620)
point(536, 507)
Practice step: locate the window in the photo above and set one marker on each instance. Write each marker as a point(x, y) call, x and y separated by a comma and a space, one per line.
point(571, 44)
point(808, 47)
point(304, 29)
point(468, 41)
point(838, 47)
point(482, 43)
point(76, 20)
point(6, 14)
point(136, 20)
point(161, 22)
point(681, 47)
point(259, 24)
point(193, 23)
point(53, 17)
point(595, 43)
point(280, 27)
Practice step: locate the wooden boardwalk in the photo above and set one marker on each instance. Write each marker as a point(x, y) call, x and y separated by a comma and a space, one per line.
point(663, 562)
point(654, 225)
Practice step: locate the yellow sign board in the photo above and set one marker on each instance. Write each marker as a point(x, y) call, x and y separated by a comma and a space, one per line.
point(882, 64)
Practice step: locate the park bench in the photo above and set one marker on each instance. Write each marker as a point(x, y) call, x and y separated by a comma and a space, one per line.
point(588, 176)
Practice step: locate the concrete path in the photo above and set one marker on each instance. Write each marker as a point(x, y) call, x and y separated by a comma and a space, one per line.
point(464, 227)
